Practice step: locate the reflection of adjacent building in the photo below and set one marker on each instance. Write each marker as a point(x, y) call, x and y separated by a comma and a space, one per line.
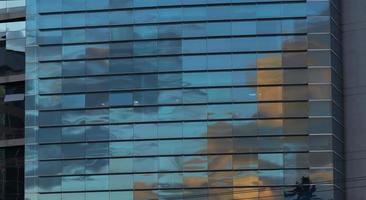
point(12, 62)
point(127, 128)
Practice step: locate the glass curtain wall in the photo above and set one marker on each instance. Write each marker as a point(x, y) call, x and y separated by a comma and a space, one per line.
point(182, 99)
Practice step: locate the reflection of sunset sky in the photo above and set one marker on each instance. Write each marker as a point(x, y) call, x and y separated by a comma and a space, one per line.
point(203, 107)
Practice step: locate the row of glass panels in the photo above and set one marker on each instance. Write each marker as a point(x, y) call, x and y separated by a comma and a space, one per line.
point(175, 64)
point(176, 180)
point(185, 96)
point(12, 28)
point(173, 47)
point(165, 31)
point(81, 5)
point(11, 6)
point(181, 180)
point(279, 193)
point(175, 164)
point(177, 14)
point(185, 80)
point(186, 130)
point(175, 147)
point(185, 113)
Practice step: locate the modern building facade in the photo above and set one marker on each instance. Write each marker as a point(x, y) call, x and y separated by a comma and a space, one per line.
point(183, 99)
point(12, 65)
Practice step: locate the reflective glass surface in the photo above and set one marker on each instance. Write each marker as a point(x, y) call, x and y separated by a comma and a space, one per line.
point(176, 99)
point(12, 89)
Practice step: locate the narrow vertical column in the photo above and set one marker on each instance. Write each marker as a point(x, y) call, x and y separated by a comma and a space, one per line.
point(31, 113)
point(325, 102)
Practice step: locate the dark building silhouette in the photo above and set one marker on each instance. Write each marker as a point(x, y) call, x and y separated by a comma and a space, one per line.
point(12, 66)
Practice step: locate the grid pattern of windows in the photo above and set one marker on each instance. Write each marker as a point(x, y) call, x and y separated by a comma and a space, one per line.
point(12, 66)
point(182, 99)
point(12, 70)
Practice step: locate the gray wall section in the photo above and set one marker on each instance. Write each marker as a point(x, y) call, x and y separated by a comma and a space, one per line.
point(354, 56)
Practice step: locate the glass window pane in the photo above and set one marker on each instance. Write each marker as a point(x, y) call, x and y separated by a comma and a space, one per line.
point(270, 161)
point(97, 183)
point(73, 134)
point(121, 132)
point(198, 179)
point(73, 183)
point(70, 167)
point(121, 182)
point(248, 161)
point(121, 165)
